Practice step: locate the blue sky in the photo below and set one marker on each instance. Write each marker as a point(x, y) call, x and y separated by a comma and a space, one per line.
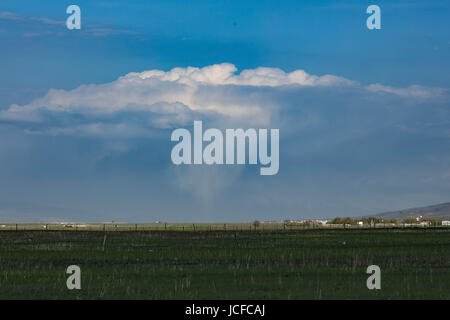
point(374, 138)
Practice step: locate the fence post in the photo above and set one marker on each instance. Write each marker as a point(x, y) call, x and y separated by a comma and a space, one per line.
point(16, 227)
point(104, 242)
point(224, 226)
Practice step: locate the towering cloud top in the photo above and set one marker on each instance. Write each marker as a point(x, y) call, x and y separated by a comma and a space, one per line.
point(225, 74)
point(136, 103)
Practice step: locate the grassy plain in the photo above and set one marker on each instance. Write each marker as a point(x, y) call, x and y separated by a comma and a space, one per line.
point(241, 264)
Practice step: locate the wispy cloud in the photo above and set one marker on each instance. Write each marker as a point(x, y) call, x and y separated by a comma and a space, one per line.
point(56, 26)
point(6, 15)
point(413, 91)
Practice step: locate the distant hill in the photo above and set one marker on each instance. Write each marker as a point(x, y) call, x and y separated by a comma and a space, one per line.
point(437, 211)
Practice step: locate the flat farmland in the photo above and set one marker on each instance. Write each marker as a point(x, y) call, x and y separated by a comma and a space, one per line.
point(225, 264)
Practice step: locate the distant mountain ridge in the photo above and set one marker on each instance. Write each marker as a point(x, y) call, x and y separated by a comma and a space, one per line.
point(437, 211)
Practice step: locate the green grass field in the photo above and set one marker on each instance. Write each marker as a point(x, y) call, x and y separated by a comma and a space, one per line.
point(277, 264)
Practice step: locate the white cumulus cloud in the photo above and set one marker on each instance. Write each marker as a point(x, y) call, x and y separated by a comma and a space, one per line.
point(141, 101)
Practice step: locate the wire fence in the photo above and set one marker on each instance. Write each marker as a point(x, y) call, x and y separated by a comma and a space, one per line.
point(192, 227)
